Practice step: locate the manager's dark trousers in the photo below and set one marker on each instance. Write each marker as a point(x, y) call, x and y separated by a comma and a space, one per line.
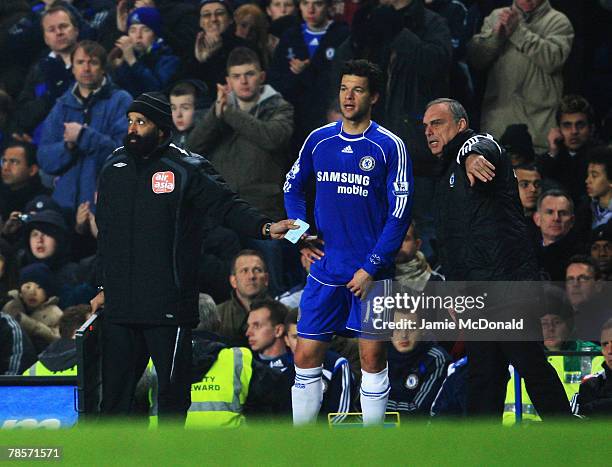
point(125, 353)
point(488, 378)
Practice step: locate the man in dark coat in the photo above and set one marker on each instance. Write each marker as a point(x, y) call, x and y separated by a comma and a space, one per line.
point(153, 198)
point(482, 235)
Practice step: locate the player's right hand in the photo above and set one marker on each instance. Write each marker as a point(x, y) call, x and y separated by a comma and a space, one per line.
point(310, 248)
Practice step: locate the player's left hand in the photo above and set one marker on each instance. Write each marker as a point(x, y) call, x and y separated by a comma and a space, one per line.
point(478, 167)
point(280, 228)
point(360, 283)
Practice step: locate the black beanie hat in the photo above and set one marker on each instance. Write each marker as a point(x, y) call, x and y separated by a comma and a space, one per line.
point(49, 222)
point(40, 274)
point(156, 107)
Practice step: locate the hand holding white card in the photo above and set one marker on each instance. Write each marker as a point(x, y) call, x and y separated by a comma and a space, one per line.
point(294, 235)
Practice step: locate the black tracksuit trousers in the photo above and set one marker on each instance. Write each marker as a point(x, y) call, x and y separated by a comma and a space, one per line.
point(126, 349)
point(488, 378)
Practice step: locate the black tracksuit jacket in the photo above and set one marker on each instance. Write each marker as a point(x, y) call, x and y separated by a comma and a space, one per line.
point(481, 231)
point(149, 214)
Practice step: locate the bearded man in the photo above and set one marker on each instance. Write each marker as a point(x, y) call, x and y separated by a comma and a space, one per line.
point(153, 198)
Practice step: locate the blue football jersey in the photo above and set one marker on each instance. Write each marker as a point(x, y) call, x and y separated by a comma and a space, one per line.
point(363, 203)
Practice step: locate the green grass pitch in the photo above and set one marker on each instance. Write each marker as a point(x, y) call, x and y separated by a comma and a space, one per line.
point(414, 443)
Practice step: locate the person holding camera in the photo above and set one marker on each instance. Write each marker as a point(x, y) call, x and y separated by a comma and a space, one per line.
point(20, 184)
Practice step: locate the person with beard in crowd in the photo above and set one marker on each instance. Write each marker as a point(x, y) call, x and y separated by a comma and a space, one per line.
point(152, 200)
point(84, 127)
point(144, 63)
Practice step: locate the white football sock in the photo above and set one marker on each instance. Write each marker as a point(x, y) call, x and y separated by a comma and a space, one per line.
point(307, 394)
point(374, 395)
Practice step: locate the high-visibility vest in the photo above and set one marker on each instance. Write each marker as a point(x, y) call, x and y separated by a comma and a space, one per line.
point(596, 364)
point(38, 369)
point(217, 400)
point(569, 379)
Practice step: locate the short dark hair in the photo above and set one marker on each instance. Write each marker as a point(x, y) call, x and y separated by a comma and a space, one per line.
point(278, 311)
point(365, 69)
point(292, 317)
point(327, 2)
point(247, 252)
point(586, 260)
point(92, 49)
point(602, 155)
point(28, 148)
point(529, 166)
point(455, 107)
point(60, 6)
point(573, 104)
point(243, 56)
point(555, 193)
point(184, 88)
point(72, 319)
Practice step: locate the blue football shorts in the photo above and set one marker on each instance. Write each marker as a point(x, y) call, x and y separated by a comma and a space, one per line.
point(328, 309)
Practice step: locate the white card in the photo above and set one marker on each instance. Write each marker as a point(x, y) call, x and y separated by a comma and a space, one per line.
point(294, 235)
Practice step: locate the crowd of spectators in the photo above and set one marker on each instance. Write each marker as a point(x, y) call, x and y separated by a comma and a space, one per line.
point(247, 82)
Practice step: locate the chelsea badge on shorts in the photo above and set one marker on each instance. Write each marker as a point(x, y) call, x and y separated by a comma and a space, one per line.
point(412, 381)
point(367, 163)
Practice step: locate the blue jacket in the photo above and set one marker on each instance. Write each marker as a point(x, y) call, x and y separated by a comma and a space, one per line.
point(151, 72)
point(77, 169)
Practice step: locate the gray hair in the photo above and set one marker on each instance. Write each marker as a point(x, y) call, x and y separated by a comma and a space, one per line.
point(209, 316)
point(555, 193)
point(456, 109)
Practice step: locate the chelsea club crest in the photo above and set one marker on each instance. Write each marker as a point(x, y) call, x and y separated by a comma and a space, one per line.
point(412, 381)
point(367, 163)
point(451, 180)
